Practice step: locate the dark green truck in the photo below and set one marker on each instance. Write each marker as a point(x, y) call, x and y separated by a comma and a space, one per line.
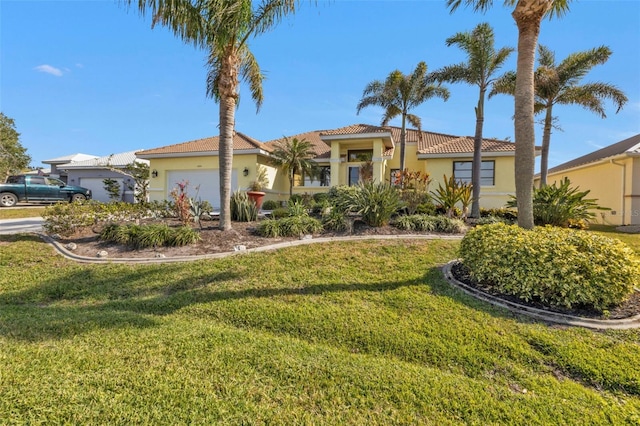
point(39, 188)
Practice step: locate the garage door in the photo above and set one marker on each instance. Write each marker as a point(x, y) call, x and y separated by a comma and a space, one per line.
point(208, 180)
point(98, 192)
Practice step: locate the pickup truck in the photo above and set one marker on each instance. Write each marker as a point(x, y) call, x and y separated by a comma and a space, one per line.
point(39, 188)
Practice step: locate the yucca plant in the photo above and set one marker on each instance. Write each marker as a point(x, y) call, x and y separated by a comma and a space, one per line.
point(452, 192)
point(242, 208)
point(560, 205)
point(374, 202)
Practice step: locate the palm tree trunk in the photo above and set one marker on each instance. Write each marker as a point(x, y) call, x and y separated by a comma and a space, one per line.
point(476, 166)
point(292, 177)
point(227, 87)
point(527, 14)
point(403, 143)
point(546, 140)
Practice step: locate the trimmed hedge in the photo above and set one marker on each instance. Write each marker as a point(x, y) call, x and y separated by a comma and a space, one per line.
point(557, 266)
point(143, 236)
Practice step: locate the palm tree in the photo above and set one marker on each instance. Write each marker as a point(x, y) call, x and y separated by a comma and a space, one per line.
point(528, 16)
point(295, 156)
point(559, 84)
point(482, 63)
point(223, 28)
point(400, 93)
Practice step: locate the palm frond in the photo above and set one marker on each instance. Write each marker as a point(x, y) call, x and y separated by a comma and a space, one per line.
point(591, 96)
point(250, 72)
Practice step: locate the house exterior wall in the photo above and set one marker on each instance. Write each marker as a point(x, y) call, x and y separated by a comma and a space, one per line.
point(612, 184)
point(491, 197)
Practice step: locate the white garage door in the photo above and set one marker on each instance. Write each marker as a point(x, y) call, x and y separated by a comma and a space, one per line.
point(208, 180)
point(98, 192)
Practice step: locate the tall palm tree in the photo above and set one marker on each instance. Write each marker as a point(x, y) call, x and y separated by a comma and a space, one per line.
point(400, 93)
point(482, 63)
point(222, 28)
point(558, 84)
point(528, 15)
point(295, 156)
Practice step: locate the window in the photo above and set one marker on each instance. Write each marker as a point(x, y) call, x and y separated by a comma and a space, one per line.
point(322, 177)
point(462, 172)
point(359, 155)
point(37, 181)
point(354, 175)
point(15, 179)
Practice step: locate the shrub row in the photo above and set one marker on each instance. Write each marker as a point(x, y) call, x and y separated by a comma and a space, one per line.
point(143, 236)
point(558, 266)
point(427, 223)
point(291, 226)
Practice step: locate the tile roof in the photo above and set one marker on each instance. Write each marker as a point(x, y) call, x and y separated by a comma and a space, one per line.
point(433, 143)
point(114, 160)
point(355, 129)
point(241, 142)
point(627, 146)
point(322, 150)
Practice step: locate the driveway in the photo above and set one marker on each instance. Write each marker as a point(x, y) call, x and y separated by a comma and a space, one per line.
point(16, 226)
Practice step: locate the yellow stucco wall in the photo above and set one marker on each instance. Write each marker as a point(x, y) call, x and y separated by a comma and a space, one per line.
point(491, 197)
point(612, 184)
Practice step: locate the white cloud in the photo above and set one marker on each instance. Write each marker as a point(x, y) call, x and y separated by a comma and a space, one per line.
point(78, 65)
point(49, 70)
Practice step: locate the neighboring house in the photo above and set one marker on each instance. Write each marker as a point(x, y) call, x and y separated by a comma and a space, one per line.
point(339, 155)
point(612, 174)
point(72, 158)
point(91, 174)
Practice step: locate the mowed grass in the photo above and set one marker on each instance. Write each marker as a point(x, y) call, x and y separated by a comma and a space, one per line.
point(20, 213)
point(342, 333)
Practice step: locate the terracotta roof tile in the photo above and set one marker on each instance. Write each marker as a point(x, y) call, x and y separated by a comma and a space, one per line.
point(240, 142)
point(322, 150)
point(355, 129)
point(460, 145)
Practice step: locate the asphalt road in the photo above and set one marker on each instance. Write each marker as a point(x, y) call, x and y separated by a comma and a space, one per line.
point(16, 226)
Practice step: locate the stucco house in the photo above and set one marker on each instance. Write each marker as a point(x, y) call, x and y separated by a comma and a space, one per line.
point(612, 174)
point(339, 155)
point(92, 172)
point(65, 159)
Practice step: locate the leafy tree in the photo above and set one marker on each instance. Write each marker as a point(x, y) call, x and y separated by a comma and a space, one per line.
point(559, 84)
point(295, 156)
point(112, 187)
point(528, 16)
point(483, 61)
point(139, 173)
point(13, 156)
point(222, 28)
point(399, 94)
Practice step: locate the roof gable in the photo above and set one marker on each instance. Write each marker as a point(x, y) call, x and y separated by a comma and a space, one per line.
point(627, 146)
point(241, 142)
point(70, 158)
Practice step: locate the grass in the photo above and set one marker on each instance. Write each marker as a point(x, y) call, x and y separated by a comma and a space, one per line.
point(365, 333)
point(21, 213)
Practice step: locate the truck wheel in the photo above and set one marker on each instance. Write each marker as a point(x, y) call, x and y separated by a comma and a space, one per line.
point(78, 197)
point(7, 199)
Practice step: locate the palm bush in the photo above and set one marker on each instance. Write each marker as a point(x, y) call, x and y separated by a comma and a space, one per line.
point(452, 192)
point(374, 202)
point(561, 205)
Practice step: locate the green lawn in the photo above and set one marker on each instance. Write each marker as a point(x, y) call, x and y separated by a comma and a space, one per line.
point(21, 213)
point(342, 333)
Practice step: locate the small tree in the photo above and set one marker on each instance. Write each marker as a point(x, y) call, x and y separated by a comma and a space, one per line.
point(13, 156)
point(294, 156)
point(113, 187)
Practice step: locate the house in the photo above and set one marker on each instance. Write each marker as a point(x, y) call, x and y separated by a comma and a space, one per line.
point(92, 172)
point(339, 156)
point(71, 158)
point(612, 174)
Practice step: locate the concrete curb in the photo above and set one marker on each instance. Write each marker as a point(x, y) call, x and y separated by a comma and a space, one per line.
point(548, 316)
point(139, 260)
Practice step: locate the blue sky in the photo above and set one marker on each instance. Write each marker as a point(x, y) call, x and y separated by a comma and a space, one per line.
point(90, 77)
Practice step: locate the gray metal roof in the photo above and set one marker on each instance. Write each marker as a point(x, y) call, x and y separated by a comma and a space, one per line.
point(113, 160)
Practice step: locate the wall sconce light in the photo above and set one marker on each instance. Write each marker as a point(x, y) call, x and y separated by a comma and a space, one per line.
point(245, 172)
point(154, 174)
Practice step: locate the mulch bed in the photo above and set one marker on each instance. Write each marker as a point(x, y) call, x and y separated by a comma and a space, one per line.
point(629, 308)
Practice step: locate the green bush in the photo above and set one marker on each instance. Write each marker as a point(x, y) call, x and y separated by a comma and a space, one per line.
point(242, 208)
point(320, 197)
point(279, 213)
point(426, 223)
point(335, 220)
point(561, 267)
point(66, 218)
point(561, 205)
point(374, 202)
point(290, 226)
point(143, 236)
point(502, 213)
point(270, 205)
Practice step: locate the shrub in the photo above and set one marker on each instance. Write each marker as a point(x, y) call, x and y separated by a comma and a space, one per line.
point(337, 194)
point(502, 213)
point(374, 202)
point(296, 208)
point(143, 236)
point(426, 223)
point(320, 197)
point(560, 267)
point(279, 213)
point(242, 208)
point(561, 205)
point(335, 220)
point(66, 218)
point(452, 192)
point(270, 205)
point(290, 226)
